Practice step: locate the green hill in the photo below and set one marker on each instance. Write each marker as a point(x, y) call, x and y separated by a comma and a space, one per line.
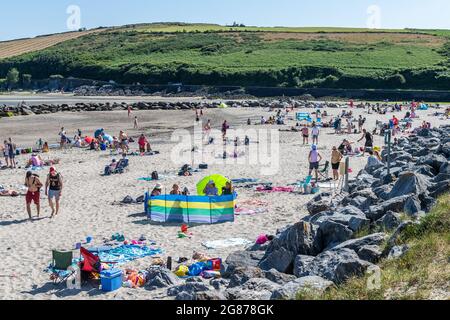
point(249, 56)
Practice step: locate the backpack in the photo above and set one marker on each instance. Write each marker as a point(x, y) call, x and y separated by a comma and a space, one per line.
point(155, 175)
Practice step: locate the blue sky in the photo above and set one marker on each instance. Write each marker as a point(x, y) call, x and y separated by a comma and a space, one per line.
point(21, 18)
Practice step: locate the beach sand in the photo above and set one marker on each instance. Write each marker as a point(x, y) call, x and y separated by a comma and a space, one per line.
point(87, 209)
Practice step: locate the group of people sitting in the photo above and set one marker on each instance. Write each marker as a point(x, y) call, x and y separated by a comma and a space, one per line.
point(36, 161)
point(210, 190)
point(176, 190)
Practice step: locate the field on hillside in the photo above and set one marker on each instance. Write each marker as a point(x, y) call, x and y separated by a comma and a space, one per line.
point(17, 47)
point(252, 56)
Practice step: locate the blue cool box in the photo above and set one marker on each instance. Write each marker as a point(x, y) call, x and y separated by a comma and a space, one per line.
point(111, 280)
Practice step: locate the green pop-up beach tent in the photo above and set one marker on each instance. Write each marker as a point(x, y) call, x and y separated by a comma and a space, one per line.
point(218, 179)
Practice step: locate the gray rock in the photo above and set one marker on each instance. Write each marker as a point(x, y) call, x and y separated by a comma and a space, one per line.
point(290, 290)
point(389, 221)
point(297, 239)
point(370, 253)
point(219, 283)
point(242, 275)
point(434, 160)
point(375, 239)
point(397, 252)
point(280, 260)
point(410, 183)
point(278, 277)
point(393, 239)
point(185, 296)
point(333, 233)
point(300, 264)
point(253, 289)
point(213, 295)
point(396, 204)
point(190, 288)
point(159, 277)
point(337, 265)
point(242, 259)
point(315, 207)
point(412, 206)
point(361, 203)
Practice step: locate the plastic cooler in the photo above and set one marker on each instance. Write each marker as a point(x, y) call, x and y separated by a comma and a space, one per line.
point(111, 280)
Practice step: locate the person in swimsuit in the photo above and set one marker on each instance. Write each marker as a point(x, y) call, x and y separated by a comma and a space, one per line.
point(12, 153)
point(53, 189)
point(314, 160)
point(369, 141)
point(305, 134)
point(34, 186)
point(6, 152)
point(123, 138)
point(336, 158)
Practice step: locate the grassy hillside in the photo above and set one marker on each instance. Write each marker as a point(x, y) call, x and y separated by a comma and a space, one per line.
point(218, 55)
point(422, 273)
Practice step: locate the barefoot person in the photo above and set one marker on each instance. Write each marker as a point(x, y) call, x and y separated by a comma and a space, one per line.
point(368, 146)
point(53, 188)
point(336, 158)
point(314, 160)
point(12, 153)
point(34, 186)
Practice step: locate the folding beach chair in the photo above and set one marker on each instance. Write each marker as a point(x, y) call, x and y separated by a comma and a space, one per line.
point(121, 166)
point(324, 171)
point(91, 262)
point(61, 261)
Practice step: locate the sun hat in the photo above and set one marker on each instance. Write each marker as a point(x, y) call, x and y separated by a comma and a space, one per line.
point(158, 187)
point(314, 147)
point(377, 149)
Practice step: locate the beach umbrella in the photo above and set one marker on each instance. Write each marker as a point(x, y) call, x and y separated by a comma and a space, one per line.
point(218, 179)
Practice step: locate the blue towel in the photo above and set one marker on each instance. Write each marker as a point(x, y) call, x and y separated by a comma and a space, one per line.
point(127, 253)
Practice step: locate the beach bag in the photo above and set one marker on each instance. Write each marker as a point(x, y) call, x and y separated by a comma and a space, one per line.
point(155, 175)
point(196, 269)
point(214, 264)
point(203, 166)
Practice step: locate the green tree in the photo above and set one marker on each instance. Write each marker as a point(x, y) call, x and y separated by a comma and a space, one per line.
point(12, 77)
point(26, 79)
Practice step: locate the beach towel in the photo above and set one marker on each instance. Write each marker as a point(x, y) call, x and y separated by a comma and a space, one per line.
point(218, 244)
point(126, 253)
point(275, 189)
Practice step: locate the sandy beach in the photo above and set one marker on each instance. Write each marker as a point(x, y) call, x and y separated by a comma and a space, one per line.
point(88, 204)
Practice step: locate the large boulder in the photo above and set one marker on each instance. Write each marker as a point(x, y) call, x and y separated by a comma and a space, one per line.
point(370, 253)
point(278, 277)
point(337, 265)
point(349, 216)
point(315, 207)
point(396, 204)
point(243, 274)
point(290, 242)
point(253, 289)
point(159, 277)
point(332, 233)
point(300, 264)
point(433, 160)
point(188, 288)
point(242, 259)
point(389, 221)
point(375, 239)
point(290, 290)
point(410, 183)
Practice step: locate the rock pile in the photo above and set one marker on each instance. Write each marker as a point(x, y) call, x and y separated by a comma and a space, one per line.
point(323, 250)
point(161, 105)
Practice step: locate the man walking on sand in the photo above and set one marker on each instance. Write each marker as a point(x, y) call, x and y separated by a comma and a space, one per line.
point(53, 189)
point(34, 186)
point(12, 153)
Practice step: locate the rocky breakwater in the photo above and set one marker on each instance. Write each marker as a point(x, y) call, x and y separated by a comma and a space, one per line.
point(324, 249)
point(25, 110)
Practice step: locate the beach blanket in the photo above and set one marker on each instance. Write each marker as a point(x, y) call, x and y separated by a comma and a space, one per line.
point(126, 253)
point(150, 179)
point(247, 211)
point(218, 244)
point(254, 202)
point(275, 189)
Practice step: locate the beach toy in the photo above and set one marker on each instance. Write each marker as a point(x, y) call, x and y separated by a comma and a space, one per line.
point(196, 269)
point(214, 264)
point(184, 228)
point(182, 235)
point(89, 239)
point(182, 271)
